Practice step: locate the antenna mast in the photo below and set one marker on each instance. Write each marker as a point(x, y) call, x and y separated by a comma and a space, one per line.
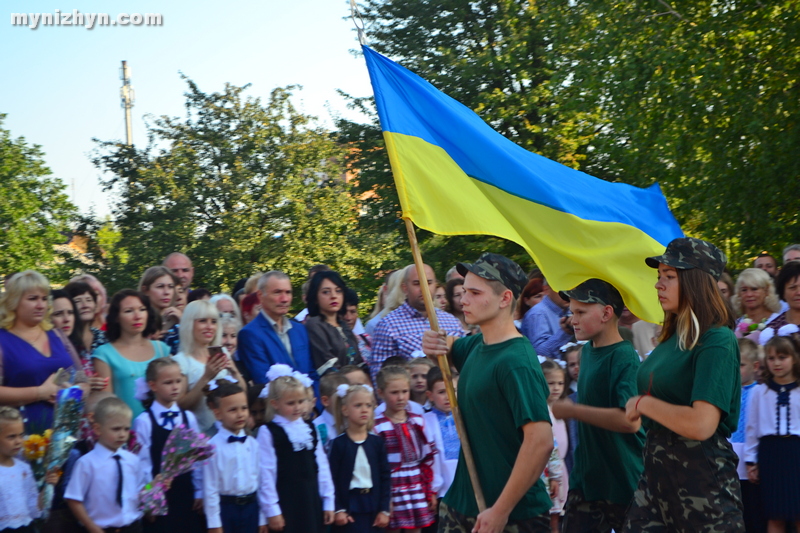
point(128, 96)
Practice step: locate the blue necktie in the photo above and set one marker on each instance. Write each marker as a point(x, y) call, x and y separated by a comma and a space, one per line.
point(169, 418)
point(233, 438)
point(118, 459)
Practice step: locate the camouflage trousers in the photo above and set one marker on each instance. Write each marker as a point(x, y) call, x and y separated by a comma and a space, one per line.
point(600, 516)
point(451, 521)
point(687, 486)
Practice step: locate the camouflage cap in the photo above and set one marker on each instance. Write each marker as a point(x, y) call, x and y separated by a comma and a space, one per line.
point(596, 291)
point(495, 267)
point(686, 253)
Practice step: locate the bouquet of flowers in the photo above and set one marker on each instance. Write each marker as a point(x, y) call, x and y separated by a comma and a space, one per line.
point(66, 424)
point(34, 449)
point(183, 449)
point(747, 326)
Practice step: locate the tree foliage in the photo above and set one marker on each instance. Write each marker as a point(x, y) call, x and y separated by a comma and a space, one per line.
point(240, 186)
point(35, 213)
point(702, 96)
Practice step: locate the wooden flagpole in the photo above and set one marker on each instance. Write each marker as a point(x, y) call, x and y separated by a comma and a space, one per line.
point(444, 365)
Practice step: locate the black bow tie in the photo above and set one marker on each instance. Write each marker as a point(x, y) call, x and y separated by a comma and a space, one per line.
point(233, 438)
point(169, 417)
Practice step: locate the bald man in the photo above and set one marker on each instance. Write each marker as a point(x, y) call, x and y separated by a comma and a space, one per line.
point(181, 266)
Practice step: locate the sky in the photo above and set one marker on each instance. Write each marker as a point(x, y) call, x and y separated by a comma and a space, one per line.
point(60, 85)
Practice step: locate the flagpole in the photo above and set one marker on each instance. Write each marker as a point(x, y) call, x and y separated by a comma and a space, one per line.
point(444, 365)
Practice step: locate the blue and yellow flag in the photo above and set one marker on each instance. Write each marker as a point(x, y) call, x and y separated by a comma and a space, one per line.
point(455, 175)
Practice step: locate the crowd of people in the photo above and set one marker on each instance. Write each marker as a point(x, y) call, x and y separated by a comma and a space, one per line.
point(580, 416)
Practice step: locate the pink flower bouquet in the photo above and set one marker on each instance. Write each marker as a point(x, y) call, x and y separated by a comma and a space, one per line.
point(184, 448)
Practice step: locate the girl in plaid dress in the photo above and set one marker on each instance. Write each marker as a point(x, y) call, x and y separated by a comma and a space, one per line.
point(410, 453)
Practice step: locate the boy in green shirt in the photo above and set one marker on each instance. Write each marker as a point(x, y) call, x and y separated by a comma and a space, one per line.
point(502, 396)
point(608, 459)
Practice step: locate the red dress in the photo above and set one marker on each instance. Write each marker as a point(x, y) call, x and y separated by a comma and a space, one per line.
point(410, 455)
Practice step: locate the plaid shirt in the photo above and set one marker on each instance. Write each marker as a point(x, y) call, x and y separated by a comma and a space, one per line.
point(400, 333)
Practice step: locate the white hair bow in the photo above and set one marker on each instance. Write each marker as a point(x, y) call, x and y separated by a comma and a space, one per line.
point(569, 345)
point(278, 371)
point(264, 392)
point(213, 384)
point(303, 378)
point(141, 390)
point(341, 390)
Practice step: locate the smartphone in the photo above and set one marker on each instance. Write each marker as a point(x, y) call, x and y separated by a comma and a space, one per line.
point(215, 351)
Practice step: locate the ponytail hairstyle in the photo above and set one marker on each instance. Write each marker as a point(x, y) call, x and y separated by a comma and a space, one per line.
point(217, 389)
point(700, 307)
point(154, 367)
point(390, 373)
point(788, 345)
point(342, 397)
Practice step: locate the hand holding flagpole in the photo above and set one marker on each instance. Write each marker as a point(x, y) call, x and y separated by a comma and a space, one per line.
point(444, 365)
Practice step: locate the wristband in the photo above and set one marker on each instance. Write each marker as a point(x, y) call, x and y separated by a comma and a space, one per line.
point(636, 407)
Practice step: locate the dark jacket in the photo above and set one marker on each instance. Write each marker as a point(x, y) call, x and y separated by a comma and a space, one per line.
point(328, 349)
point(343, 460)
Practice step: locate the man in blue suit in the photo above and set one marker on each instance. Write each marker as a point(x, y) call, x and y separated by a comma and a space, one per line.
point(271, 337)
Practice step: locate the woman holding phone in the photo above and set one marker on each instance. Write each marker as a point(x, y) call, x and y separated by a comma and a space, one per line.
point(202, 359)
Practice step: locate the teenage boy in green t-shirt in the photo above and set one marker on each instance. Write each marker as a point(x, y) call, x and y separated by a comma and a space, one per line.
point(608, 459)
point(502, 396)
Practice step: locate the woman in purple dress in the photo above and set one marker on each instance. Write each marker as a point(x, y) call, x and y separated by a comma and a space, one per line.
point(32, 352)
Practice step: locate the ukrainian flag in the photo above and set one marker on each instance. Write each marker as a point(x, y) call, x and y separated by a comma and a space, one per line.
point(455, 175)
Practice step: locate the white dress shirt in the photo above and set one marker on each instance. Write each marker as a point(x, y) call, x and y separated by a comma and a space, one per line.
point(362, 472)
point(18, 495)
point(94, 482)
point(144, 436)
point(411, 407)
point(268, 464)
point(763, 419)
point(231, 471)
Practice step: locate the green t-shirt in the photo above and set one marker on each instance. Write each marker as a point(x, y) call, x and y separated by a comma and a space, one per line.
point(607, 464)
point(709, 372)
point(500, 389)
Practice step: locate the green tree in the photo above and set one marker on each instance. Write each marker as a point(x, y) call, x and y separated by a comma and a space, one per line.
point(240, 186)
point(35, 214)
point(701, 96)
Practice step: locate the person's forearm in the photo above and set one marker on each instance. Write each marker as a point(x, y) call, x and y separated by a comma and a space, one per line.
point(609, 418)
point(18, 396)
point(536, 446)
point(194, 395)
point(80, 514)
point(695, 422)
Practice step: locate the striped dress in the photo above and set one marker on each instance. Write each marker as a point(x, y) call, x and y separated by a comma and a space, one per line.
point(410, 455)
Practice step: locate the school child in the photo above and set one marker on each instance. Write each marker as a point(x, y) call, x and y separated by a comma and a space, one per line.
point(356, 375)
point(754, 521)
point(326, 422)
point(103, 492)
point(608, 456)
point(230, 481)
point(409, 450)
point(441, 427)
point(411, 406)
point(419, 368)
point(296, 493)
point(256, 408)
point(359, 465)
point(18, 494)
point(572, 355)
point(61, 519)
point(161, 415)
point(772, 434)
point(556, 378)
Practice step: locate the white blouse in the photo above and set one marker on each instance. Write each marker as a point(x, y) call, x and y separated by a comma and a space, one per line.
point(765, 417)
point(268, 464)
point(18, 495)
